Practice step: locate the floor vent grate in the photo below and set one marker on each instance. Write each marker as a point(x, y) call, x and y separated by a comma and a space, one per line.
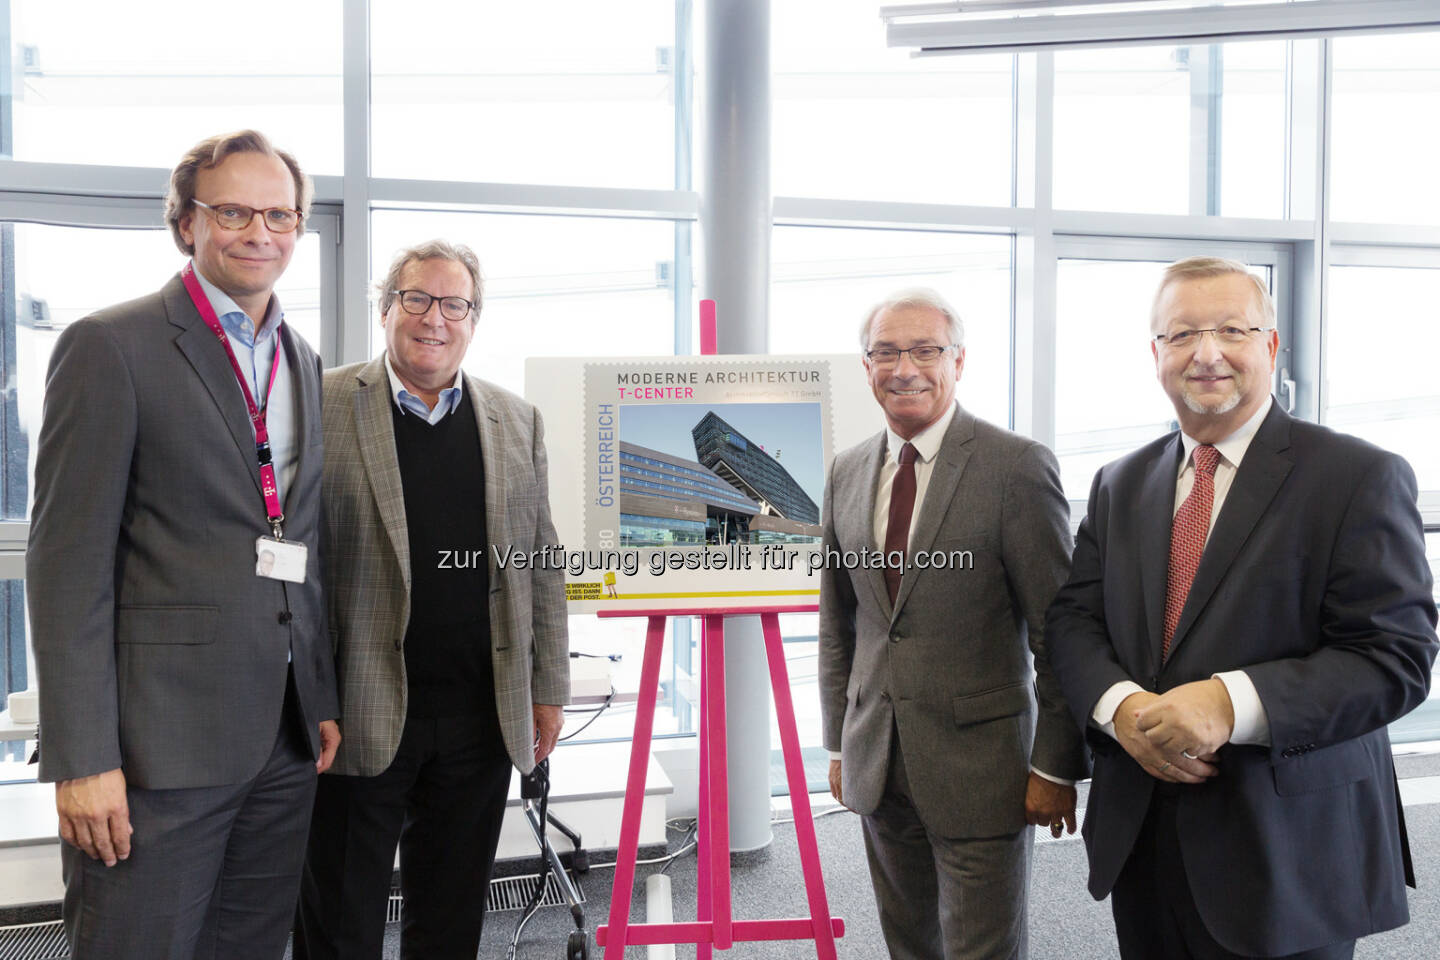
point(34, 941)
point(506, 893)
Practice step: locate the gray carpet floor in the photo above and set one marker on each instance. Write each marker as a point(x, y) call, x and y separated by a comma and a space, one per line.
point(1065, 923)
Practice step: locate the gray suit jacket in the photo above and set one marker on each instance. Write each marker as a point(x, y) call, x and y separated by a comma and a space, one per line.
point(949, 666)
point(158, 649)
point(368, 565)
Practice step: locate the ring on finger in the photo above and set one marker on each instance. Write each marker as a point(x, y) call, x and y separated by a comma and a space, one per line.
point(1188, 755)
point(1164, 766)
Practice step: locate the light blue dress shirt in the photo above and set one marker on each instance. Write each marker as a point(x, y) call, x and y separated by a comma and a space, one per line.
point(409, 403)
point(255, 355)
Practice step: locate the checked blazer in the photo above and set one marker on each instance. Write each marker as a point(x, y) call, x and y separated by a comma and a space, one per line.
point(368, 566)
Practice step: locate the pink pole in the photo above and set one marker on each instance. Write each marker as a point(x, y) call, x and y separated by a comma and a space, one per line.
point(704, 950)
point(713, 700)
point(708, 346)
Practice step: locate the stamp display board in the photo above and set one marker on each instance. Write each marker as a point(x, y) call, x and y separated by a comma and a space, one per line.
point(736, 445)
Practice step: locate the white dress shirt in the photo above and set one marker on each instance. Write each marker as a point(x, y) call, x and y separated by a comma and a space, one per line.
point(1252, 724)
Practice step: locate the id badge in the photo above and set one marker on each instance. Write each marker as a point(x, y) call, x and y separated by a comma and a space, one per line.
point(280, 559)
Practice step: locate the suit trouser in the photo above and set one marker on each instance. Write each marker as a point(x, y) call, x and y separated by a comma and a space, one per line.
point(944, 898)
point(213, 872)
point(442, 799)
point(1155, 914)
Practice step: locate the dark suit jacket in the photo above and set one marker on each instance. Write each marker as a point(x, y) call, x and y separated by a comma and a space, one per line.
point(950, 665)
point(158, 649)
point(1315, 582)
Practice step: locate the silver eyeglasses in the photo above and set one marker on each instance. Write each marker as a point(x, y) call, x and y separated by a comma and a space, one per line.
point(1228, 335)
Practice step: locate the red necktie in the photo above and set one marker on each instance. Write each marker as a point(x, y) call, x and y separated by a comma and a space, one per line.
point(897, 529)
point(1187, 540)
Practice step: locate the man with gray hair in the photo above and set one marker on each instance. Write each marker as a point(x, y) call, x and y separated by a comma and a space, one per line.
point(1250, 605)
point(187, 692)
point(946, 728)
point(450, 672)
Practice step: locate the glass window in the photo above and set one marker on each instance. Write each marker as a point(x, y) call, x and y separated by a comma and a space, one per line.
point(801, 632)
point(100, 82)
point(1423, 723)
point(15, 675)
point(554, 286)
point(568, 92)
point(621, 642)
point(1252, 129)
point(1107, 400)
point(825, 279)
point(854, 119)
point(1127, 137)
point(1385, 139)
point(1387, 395)
point(50, 293)
point(641, 531)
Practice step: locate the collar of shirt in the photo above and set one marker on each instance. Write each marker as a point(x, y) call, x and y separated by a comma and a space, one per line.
point(1232, 448)
point(237, 322)
point(926, 442)
point(927, 445)
point(407, 402)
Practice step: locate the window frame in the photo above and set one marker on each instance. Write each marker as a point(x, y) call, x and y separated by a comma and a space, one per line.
point(1300, 248)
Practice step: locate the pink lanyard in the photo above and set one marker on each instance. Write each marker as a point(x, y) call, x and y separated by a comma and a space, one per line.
point(257, 415)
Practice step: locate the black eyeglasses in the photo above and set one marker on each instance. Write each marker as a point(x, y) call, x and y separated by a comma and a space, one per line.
point(237, 216)
point(921, 356)
point(417, 302)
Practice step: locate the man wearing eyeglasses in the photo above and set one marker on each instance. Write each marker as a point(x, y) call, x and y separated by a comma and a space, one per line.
point(941, 734)
point(187, 691)
point(1250, 605)
point(452, 669)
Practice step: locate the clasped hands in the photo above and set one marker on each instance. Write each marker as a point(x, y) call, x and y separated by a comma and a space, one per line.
point(1174, 736)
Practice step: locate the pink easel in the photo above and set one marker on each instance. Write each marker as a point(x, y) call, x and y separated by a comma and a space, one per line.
point(715, 927)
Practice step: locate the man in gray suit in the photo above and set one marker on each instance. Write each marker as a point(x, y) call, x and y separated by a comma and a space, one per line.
point(452, 668)
point(186, 699)
point(928, 700)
